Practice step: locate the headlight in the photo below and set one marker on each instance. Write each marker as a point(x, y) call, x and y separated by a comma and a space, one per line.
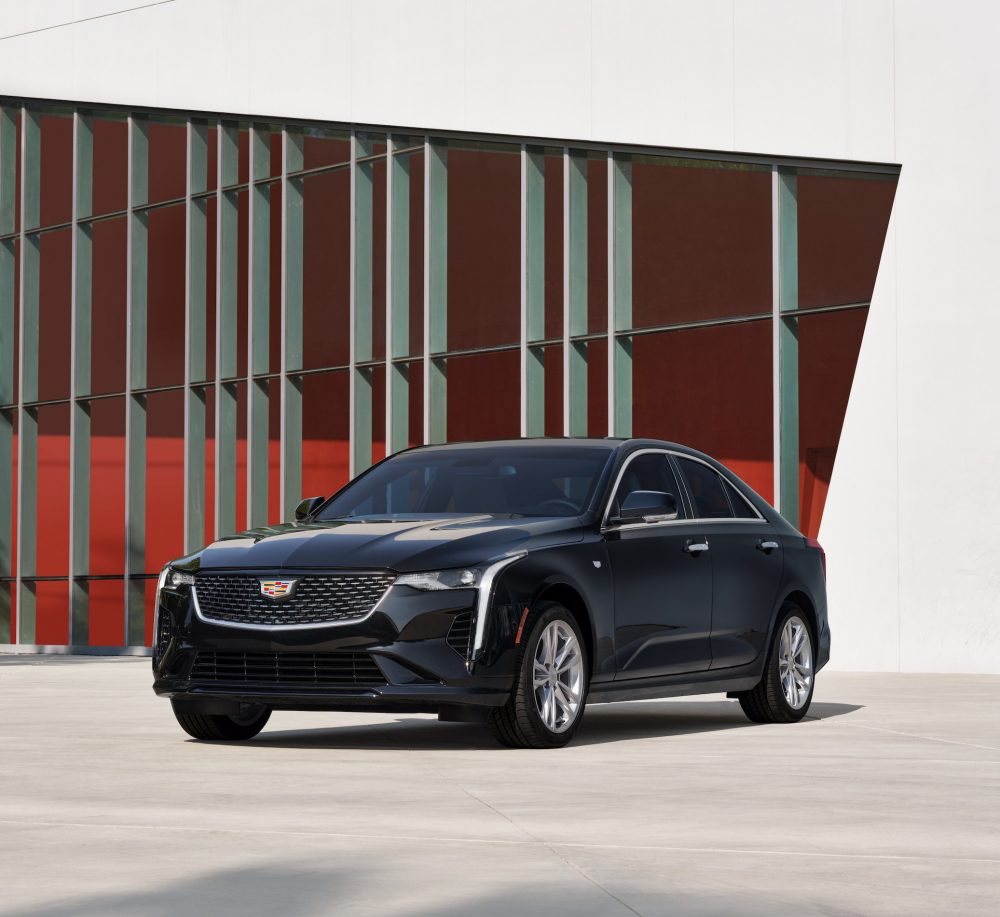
point(176, 579)
point(465, 578)
point(171, 579)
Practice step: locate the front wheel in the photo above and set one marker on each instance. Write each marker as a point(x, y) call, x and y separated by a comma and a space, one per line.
point(550, 690)
point(214, 727)
point(785, 691)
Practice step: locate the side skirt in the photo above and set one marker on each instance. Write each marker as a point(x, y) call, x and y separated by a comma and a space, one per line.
point(649, 688)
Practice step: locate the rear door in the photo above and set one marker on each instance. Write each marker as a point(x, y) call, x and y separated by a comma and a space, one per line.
point(746, 564)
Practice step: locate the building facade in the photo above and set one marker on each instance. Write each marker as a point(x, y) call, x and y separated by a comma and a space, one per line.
point(223, 288)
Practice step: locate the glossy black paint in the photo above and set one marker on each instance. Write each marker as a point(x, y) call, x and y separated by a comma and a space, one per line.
point(662, 600)
point(658, 620)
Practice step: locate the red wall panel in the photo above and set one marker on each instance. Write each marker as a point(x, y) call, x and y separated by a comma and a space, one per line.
point(701, 243)
point(484, 248)
point(164, 478)
point(710, 388)
point(828, 354)
point(107, 613)
point(325, 433)
point(52, 505)
point(484, 396)
point(107, 486)
point(56, 175)
point(54, 290)
point(52, 613)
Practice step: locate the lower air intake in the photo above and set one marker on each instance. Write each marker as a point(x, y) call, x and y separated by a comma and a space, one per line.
point(460, 634)
point(309, 669)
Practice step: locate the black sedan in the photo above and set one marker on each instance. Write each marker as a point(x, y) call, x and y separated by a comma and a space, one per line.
point(508, 583)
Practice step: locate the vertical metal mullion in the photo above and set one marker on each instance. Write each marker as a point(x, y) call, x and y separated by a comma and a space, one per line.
point(532, 290)
point(27, 439)
point(258, 319)
point(397, 298)
point(135, 378)
point(619, 294)
point(194, 334)
point(360, 306)
point(80, 334)
point(776, 332)
point(8, 188)
point(6, 510)
point(787, 456)
point(291, 321)
point(226, 256)
point(435, 290)
point(574, 292)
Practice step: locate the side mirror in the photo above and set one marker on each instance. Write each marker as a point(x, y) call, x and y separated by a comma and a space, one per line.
point(648, 506)
point(307, 507)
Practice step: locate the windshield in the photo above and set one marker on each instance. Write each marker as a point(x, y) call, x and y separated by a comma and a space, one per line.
point(525, 481)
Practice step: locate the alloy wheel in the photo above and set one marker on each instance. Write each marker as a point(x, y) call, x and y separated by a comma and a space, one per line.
point(557, 676)
point(795, 669)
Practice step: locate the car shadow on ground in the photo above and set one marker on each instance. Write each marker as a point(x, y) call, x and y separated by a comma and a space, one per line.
point(603, 723)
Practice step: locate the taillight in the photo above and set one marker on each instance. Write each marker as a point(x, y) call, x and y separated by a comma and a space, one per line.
point(816, 546)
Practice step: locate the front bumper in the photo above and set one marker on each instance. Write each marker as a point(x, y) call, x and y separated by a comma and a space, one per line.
point(412, 659)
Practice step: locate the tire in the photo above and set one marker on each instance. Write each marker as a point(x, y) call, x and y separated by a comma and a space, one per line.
point(520, 722)
point(769, 701)
point(213, 727)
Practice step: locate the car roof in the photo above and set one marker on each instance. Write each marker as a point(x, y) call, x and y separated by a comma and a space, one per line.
point(610, 443)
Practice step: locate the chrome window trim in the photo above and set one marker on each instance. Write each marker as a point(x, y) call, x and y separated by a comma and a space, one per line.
point(216, 623)
point(757, 516)
point(700, 520)
point(695, 458)
point(606, 527)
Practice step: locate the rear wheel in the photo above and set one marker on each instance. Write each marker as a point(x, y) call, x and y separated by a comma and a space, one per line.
point(214, 727)
point(785, 691)
point(550, 690)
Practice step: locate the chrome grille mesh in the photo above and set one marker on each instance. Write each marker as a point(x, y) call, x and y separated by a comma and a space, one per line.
point(317, 598)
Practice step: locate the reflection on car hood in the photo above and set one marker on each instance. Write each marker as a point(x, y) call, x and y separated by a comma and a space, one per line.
point(402, 545)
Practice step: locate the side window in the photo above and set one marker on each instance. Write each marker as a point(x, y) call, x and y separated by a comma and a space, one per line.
point(707, 490)
point(651, 471)
point(741, 508)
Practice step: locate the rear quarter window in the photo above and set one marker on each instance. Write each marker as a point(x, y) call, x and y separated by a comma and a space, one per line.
point(707, 490)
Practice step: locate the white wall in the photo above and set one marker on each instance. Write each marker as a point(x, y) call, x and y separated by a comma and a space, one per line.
point(912, 525)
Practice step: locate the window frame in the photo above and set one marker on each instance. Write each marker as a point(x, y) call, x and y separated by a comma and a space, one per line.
point(671, 455)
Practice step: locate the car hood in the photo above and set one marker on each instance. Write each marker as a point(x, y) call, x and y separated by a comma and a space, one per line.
point(402, 545)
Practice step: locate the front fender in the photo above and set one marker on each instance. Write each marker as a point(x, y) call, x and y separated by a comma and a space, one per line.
point(581, 569)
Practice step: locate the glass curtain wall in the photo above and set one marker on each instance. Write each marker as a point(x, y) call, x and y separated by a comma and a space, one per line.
point(203, 319)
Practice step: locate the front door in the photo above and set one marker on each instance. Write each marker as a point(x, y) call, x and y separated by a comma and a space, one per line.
point(662, 581)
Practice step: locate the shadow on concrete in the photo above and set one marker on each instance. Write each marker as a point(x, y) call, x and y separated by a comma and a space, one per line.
point(265, 889)
point(602, 723)
point(617, 722)
point(313, 887)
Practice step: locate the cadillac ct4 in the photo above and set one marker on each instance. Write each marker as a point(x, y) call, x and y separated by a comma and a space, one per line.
point(509, 583)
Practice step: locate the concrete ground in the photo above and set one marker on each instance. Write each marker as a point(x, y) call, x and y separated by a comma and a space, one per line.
point(885, 801)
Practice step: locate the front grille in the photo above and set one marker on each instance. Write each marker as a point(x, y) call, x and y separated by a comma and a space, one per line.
point(315, 669)
point(316, 599)
point(460, 634)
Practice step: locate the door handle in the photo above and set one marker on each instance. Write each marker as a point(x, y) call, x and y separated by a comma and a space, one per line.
point(767, 546)
point(696, 547)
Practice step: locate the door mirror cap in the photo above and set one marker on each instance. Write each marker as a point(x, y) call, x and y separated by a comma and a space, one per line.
point(307, 507)
point(647, 506)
